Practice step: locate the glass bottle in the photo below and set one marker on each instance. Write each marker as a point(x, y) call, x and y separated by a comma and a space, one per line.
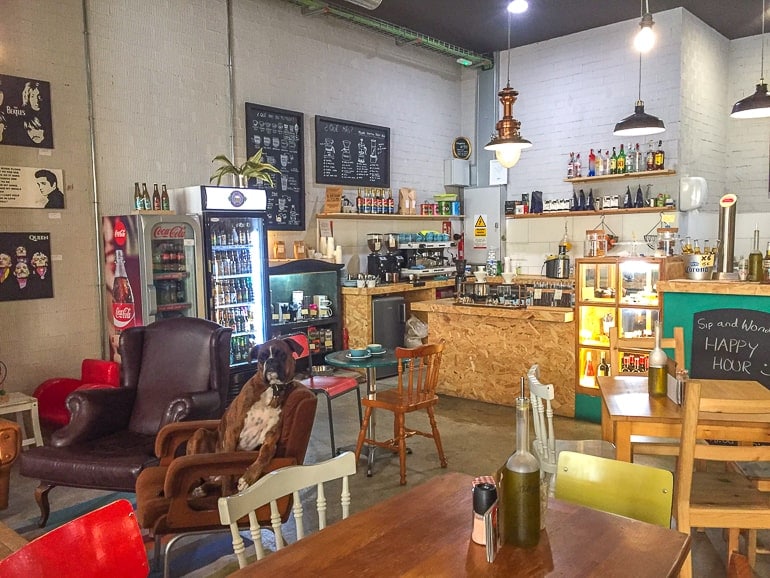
point(755, 260)
point(630, 159)
point(155, 198)
point(578, 166)
point(590, 371)
point(656, 373)
point(607, 163)
point(620, 162)
point(591, 164)
point(660, 157)
point(571, 166)
point(165, 202)
point(146, 198)
point(138, 200)
point(599, 163)
point(604, 368)
point(520, 486)
point(650, 157)
point(491, 262)
point(613, 162)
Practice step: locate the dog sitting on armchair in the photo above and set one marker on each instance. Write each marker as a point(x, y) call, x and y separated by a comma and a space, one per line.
point(253, 420)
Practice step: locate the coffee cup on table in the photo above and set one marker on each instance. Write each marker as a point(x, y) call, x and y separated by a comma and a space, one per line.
point(374, 347)
point(359, 352)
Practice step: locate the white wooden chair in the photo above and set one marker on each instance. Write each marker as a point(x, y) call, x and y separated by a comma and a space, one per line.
point(279, 483)
point(545, 445)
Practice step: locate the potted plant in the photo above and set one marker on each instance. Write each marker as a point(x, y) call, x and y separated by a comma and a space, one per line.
point(253, 168)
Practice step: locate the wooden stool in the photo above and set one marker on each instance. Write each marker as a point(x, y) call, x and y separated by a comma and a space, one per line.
point(10, 448)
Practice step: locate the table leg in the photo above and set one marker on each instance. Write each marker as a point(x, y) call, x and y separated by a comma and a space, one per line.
point(25, 440)
point(622, 441)
point(36, 425)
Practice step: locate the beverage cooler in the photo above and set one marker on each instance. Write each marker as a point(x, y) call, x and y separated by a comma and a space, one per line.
point(152, 268)
point(233, 222)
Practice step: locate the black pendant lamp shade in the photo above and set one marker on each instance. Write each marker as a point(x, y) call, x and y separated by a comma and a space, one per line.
point(640, 123)
point(755, 106)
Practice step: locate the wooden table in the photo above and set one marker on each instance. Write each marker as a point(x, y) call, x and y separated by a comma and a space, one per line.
point(628, 409)
point(18, 403)
point(426, 531)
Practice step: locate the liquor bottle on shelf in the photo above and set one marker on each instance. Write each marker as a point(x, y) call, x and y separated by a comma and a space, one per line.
point(755, 259)
point(391, 203)
point(591, 164)
point(656, 373)
point(599, 163)
point(660, 157)
point(519, 485)
point(146, 198)
point(155, 198)
point(165, 203)
point(620, 162)
point(578, 166)
point(138, 200)
point(650, 156)
point(589, 371)
point(571, 166)
point(639, 162)
point(603, 368)
point(630, 159)
point(359, 202)
point(614, 162)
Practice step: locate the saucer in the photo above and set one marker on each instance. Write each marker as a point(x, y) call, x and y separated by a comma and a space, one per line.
point(354, 357)
point(380, 352)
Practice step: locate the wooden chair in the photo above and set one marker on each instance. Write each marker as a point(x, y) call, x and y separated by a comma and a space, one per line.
point(418, 370)
point(105, 542)
point(545, 445)
point(646, 444)
point(330, 386)
point(624, 488)
point(277, 484)
point(713, 497)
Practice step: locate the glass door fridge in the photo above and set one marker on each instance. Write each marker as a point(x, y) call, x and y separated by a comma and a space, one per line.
point(152, 269)
point(233, 222)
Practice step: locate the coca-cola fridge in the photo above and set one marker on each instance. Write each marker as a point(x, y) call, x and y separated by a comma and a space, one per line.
point(236, 287)
point(152, 269)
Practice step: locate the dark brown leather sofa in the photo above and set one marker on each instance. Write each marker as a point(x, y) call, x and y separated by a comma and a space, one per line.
point(172, 370)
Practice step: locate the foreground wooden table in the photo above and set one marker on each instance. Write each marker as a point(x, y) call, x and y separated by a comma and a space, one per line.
point(628, 409)
point(426, 532)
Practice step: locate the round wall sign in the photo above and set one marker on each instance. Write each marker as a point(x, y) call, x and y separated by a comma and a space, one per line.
point(461, 148)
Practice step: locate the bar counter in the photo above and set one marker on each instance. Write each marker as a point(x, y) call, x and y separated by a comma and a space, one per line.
point(716, 287)
point(490, 348)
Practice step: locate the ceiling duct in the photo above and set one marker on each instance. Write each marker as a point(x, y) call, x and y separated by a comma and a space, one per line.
point(402, 36)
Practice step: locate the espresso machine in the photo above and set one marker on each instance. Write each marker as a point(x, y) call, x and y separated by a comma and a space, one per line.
point(384, 266)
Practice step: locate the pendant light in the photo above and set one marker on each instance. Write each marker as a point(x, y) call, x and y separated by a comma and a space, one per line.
point(645, 38)
point(640, 123)
point(507, 143)
point(758, 104)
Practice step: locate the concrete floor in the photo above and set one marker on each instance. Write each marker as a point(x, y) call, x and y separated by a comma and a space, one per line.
point(477, 439)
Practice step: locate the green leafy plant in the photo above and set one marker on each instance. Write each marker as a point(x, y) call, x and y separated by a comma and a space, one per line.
point(253, 168)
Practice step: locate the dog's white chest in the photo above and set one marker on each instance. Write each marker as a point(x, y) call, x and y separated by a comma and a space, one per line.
point(260, 419)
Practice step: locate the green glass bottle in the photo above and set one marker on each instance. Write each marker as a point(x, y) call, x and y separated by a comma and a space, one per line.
point(520, 486)
point(755, 260)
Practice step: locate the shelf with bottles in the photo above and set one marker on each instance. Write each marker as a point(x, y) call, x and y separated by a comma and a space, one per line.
point(241, 345)
point(638, 175)
point(396, 216)
point(592, 213)
point(593, 363)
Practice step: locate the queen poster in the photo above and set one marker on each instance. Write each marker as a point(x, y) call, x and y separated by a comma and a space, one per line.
point(25, 112)
point(25, 266)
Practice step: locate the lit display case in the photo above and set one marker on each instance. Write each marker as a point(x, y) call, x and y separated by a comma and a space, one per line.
point(613, 292)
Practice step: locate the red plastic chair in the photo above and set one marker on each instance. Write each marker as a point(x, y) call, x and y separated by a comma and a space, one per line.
point(105, 542)
point(331, 386)
point(52, 394)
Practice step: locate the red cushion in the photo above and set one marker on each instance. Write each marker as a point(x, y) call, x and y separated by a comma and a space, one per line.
point(333, 385)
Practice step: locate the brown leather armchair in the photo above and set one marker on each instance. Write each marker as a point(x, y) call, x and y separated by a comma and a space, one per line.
point(163, 501)
point(173, 370)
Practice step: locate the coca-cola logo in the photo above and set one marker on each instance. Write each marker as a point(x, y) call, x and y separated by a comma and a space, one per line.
point(120, 235)
point(123, 315)
point(175, 232)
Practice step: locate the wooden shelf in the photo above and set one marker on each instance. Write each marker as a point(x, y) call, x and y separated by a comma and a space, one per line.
point(379, 217)
point(639, 175)
point(590, 213)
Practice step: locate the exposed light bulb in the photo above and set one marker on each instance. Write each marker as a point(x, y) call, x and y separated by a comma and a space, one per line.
point(518, 6)
point(508, 156)
point(644, 39)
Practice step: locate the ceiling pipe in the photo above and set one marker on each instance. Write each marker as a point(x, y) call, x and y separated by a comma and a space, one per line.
point(403, 35)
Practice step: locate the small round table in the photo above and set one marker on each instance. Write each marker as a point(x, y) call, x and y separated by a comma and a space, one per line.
point(370, 364)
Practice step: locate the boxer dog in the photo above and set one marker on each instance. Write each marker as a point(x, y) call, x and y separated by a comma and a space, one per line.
point(253, 420)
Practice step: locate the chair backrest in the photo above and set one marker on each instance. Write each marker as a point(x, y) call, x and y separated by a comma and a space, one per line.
point(100, 371)
point(104, 542)
point(625, 488)
point(279, 483)
point(541, 395)
point(170, 359)
point(418, 369)
point(645, 345)
point(697, 408)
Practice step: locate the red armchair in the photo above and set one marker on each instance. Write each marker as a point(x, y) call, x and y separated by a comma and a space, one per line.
point(51, 395)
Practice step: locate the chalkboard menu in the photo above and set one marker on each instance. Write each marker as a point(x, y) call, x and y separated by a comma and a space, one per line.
point(731, 344)
point(351, 153)
point(279, 133)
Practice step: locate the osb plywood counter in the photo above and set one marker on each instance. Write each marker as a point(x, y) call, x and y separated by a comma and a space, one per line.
point(357, 305)
point(715, 287)
point(490, 348)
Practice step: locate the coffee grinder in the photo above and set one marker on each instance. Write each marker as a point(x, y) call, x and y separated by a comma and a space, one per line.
point(394, 257)
point(376, 262)
point(459, 276)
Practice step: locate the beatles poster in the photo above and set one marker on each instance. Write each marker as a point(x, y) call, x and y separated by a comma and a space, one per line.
point(25, 266)
point(31, 188)
point(25, 112)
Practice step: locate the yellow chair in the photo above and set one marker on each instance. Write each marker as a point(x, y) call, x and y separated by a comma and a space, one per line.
point(627, 489)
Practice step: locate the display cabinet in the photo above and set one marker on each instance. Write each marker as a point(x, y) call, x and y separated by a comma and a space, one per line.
point(305, 298)
point(614, 291)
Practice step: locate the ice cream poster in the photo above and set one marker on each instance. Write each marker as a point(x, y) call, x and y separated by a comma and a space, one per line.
point(31, 188)
point(25, 112)
point(25, 266)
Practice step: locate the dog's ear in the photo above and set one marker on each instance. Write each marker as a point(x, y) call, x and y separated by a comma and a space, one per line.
point(294, 345)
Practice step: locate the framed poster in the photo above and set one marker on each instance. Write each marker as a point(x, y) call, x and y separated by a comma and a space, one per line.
point(25, 112)
point(351, 153)
point(461, 148)
point(31, 188)
point(279, 133)
point(25, 266)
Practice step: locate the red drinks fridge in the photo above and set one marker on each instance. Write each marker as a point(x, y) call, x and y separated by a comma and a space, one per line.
point(235, 260)
point(152, 269)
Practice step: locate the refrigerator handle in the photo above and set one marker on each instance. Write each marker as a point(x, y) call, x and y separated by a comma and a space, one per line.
point(403, 312)
point(153, 300)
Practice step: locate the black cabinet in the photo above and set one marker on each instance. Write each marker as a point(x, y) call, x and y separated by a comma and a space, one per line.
point(305, 298)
